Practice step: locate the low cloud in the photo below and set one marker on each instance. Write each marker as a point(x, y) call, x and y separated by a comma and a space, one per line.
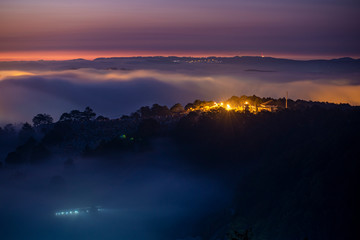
point(144, 196)
point(23, 94)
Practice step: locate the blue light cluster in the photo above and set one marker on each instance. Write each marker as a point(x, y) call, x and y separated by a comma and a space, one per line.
point(67, 213)
point(79, 211)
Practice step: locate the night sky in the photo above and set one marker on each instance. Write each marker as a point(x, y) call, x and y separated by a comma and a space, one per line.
point(49, 29)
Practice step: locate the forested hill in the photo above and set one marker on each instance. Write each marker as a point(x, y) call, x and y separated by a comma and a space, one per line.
point(294, 171)
point(83, 131)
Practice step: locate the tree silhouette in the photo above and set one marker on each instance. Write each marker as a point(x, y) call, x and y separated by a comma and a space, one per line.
point(145, 112)
point(78, 116)
point(177, 108)
point(65, 117)
point(102, 119)
point(42, 119)
point(160, 111)
point(88, 114)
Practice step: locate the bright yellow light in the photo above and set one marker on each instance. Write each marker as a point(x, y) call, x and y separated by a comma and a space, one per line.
point(246, 103)
point(221, 104)
point(228, 107)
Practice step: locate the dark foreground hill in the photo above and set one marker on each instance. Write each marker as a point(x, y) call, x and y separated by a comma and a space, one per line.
point(292, 174)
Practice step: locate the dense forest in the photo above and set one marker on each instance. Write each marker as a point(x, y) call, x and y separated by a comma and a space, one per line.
point(294, 172)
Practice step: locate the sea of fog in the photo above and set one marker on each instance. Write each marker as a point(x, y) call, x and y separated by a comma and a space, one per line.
point(149, 195)
point(26, 90)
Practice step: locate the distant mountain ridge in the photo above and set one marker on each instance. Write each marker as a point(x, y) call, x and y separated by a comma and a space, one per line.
point(238, 58)
point(343, 65)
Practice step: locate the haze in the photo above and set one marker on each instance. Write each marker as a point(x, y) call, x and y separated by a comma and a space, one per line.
point(113, 87)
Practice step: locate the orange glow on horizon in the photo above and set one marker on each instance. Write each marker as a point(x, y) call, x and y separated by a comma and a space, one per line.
point(90, 55)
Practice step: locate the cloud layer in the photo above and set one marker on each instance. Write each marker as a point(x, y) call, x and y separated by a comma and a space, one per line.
point(114, 92)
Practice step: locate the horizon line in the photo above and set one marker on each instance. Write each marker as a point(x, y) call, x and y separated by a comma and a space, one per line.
point(88, 55)
point(164, 56)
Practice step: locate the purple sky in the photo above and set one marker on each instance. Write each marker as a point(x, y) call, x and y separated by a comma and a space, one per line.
point(313, 28)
